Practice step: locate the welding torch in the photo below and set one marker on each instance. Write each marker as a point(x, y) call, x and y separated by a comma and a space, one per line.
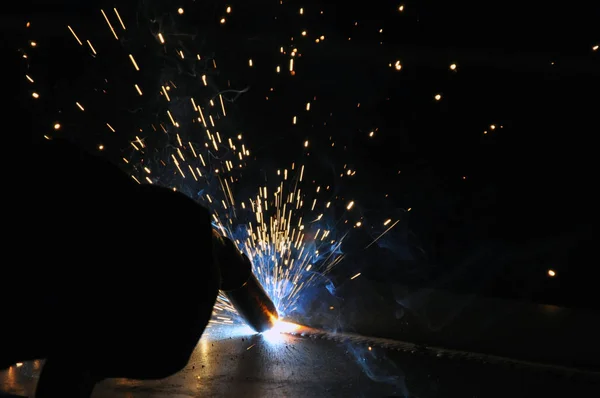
point(241, 287)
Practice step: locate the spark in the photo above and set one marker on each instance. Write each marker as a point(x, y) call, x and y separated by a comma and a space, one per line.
point(222, 105)
point(551, 273)
point(91, 47)
point(135, 65)
point(383, 233)
point(74, 35)
point(119, 18)
point(110, 25)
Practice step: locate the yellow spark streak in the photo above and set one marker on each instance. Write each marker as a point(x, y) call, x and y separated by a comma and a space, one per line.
point(161, 38)
point(171, 117)
point(202, 116)
point(204, 80)
point(110, 25)
point(308, 106)
point(92, 47)
point(383, 233)
point(250, 62)
point(177, 164)
point(79, 105)
point(135, 65)
point(350, 205)
point(291, 64)
point(294, 120)
point(193, 151)
point(139, 90)
point(389, 220)
point(301, 173)
point(194, 104)
point(119, 17)
point(74, 35)
point(165, 93)
point(29, 78)
point(110, 127)
point(222, 105)
point(192, 171)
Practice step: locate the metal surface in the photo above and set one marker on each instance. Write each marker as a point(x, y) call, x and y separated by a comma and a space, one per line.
point(229, 362)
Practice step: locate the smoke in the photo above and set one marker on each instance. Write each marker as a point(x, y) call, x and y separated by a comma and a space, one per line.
point(378, 367)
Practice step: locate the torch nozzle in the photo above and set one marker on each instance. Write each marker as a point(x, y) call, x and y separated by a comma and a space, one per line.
point(241, 287)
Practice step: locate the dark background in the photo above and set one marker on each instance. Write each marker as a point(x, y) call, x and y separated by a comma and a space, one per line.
point(490, 213)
